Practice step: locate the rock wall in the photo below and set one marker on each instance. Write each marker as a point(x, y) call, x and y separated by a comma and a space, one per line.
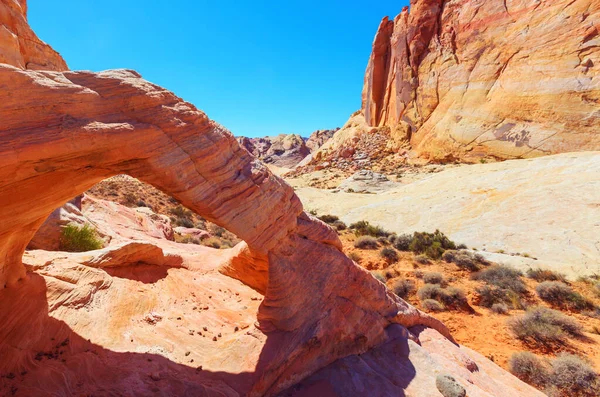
point(503, 78)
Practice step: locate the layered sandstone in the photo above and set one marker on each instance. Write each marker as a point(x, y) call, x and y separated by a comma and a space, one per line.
point(285, 150)
point(501, 78)
point(83, 322)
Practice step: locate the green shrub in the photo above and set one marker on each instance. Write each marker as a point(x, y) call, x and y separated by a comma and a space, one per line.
point(431, 244)
point(502, 277)
point(402, 242)
point(404, 288)
point(540, 275)
point(450, 297)
point(79, 239)
point(389, 254)
point(432, 305)
point(366, 242)
point(434, 278)
point(545, 327)
point(330, 219)
point(339, 225)
point(529, 368)
point(364, 228)
point(561, 295)
point(491, 295)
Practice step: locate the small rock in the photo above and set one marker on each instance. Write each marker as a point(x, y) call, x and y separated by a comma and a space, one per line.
point(187, 353)
point(155, 376)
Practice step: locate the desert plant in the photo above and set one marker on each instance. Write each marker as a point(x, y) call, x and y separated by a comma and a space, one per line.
point(529, 368)
point(449, 297)
point(499, 308)
point(540, 275)
point(330, 219)
point(76, 238)
point(366, 242)
point(402, 242)
point(355, 257)
point(339, 225)
point(422, 260)
point(544, 327)
point(389, 254)
point(561, 295)
point(432, 305)
point(379, 276)
point(364, 228)
point(431, 244)
point(491, 295)
point(502, 277)
point(572, 376)
point(404, 288)
point(465, 260)
point(383, 240)
point(434, 278)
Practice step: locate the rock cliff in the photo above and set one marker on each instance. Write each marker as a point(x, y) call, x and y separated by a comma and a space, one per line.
point(501, 78)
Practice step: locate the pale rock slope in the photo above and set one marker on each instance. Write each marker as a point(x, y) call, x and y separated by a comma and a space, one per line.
point(113, 321)
point(547, 208)
point(504, 78)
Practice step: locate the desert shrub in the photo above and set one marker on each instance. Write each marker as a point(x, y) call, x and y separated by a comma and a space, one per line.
point(76, 238)
point(187, 239)
point(404, 288)
point(181, 212)
point(561, 295)
point(364, 228)
point(392, 238)
point(422, 260)
point(212, 242)
point(434, 278)
point(499, 308)
point(529, 368)
point(465, 260)
point(432, 305)
point(129, 199)
point(366, 242)
point(431, 244)
point(379, 276)
point(355, 257)
point(389, 254)
point(383, 240)
point(491, 295)
point(572, 376)
point(330, 219)
point(502, 277)
point(544, 327)
point(449, 297)
point(402, 242)
point(540, 275)
point(339, 225)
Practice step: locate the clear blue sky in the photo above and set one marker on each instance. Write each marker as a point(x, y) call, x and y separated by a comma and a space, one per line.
point(258, 67)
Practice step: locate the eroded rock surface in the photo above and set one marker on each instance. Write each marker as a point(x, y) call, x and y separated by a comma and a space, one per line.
point(466, 79)
point(285, 150)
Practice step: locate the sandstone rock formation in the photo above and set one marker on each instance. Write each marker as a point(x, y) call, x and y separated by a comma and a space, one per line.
point(282, 150)
point(501, 78)
point(319, 137)
point(64, 131)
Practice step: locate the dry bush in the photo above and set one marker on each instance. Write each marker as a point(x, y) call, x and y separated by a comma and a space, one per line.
point(366, 242)
point(572, 376)
point(545, 327)
point(450, 297)
point(561, 295)
point(402, 242)
point(355, 257)
point(422, 260)
point(529, 368)
point(404, 288)
point(364, 228)
point(389, 254)
point(434, 278)
point(499, 308)
point(502, 277)
point(432, 305)
point(541, 275)
point(465, 260)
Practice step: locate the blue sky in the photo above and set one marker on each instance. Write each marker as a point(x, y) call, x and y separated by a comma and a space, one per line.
point(257, 67)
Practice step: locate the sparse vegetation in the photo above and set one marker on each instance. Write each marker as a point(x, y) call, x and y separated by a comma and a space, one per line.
point(402, 242)
point(364, 228)
point(560, 295)
point(503, 277)
point(404, 288)
point(422, 259)
point(75, 238)
point(544, 327)
point(379, 276)
point(355, 257)
point(366, 242)
point(465, 260)
point(432, 305)
point(330, 219)
point(499, 308)
point(389, 254)
point(450, 297)
point(541, 275)
point(434, 278)
point(431, 244)
point(566, 375)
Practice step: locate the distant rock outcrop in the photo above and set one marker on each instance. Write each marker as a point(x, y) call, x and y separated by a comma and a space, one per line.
point(507, 79)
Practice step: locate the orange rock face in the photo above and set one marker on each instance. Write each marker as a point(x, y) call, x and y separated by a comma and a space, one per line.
point(465, 79)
